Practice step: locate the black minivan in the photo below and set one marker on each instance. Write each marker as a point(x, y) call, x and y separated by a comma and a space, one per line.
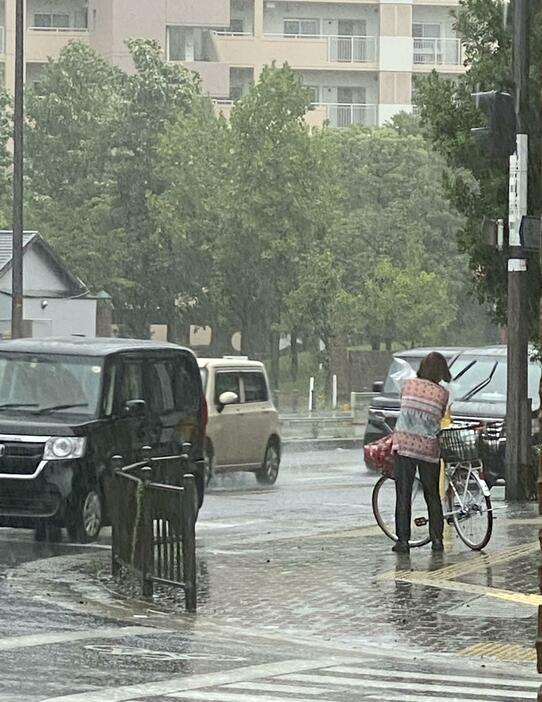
point(68, 406)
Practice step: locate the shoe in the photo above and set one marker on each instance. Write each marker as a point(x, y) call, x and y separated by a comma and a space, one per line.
point(401, 547)
point(437, 546)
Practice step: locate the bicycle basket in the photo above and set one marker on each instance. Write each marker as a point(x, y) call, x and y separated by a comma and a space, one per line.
point(459, 444)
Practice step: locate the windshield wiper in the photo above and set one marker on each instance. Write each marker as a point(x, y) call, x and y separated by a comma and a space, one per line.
point(15, 405)
point(476, 389)
point(45, 410)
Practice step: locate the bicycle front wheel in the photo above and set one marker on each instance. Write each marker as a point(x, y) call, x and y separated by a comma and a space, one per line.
point(471, 510)
point(384, 511)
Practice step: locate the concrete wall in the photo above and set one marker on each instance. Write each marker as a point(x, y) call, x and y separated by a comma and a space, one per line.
point(66, 317)
point(112, 22)
point(196, 13)
point(215, 77)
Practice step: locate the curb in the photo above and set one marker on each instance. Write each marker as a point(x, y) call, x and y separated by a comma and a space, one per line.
point(298, 445)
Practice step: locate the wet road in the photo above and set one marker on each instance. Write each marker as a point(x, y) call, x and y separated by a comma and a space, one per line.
point(300, 598)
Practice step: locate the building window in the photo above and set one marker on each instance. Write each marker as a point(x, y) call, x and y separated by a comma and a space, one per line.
point(426, 30)
point(185, 44)
point(44, 20)
point(237, 26)
point(302, 27)
point(314, 94)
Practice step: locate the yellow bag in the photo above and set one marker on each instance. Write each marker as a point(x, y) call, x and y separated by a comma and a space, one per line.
point(446, 421)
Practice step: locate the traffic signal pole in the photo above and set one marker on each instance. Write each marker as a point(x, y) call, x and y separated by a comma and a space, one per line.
point(518, 421)
point(18, 127)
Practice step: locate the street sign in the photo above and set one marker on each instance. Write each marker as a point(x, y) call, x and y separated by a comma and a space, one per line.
point(530, 233)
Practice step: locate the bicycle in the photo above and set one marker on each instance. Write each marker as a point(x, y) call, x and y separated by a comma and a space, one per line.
point(466, 501)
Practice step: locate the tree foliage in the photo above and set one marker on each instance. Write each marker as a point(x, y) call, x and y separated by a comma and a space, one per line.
point(255, 224)
point(448, 113)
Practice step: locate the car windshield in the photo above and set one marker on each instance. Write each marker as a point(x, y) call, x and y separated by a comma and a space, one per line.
point(203, 373)
point(391, 386)
point(45, 384)
point(483, 379)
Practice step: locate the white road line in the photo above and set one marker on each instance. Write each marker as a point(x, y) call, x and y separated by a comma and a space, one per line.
point(270, 687)
point(181, 683)
point(220, 696)
point(14, 642)
point(396, 685)
point(350, 670)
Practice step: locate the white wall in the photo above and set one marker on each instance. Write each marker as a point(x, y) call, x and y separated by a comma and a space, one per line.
point(37, 274)
point(66, 317)
point(327, 13)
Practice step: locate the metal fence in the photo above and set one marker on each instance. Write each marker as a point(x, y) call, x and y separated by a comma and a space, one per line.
point(352, 49)
point(346, 114)
point(438, 52)
point(153, 525)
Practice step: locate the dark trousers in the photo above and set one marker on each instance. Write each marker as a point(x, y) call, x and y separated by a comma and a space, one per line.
point(405, 472)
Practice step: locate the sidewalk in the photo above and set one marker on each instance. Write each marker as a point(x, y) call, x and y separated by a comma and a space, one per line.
point(288, 611)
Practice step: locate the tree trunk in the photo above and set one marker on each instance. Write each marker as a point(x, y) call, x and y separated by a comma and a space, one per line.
point(274, 341)
point(294, 357)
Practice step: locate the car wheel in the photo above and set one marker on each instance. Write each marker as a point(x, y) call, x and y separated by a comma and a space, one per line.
point(269, 472)
point(86, 516)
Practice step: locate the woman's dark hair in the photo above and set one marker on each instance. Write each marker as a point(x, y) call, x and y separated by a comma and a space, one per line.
point(434, 368)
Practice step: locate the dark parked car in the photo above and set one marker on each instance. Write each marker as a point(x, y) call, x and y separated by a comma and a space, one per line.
point(67, 406)
point(478, 394)
point(387, 402)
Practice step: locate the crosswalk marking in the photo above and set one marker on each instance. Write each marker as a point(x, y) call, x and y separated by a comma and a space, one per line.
point(178, 683)
point(489, 693)
point(270, 687)
point(461, 679)
point(220, 696)
point(58, 637)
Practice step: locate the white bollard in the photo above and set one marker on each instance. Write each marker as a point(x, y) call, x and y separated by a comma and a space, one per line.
point(311, 394)
point(334, 393)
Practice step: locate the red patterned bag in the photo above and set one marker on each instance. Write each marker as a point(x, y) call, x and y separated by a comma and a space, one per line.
point(380, 455)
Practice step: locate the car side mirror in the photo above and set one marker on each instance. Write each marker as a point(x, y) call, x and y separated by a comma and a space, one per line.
point(227, 398)
point(378, 386)
point(134, 408)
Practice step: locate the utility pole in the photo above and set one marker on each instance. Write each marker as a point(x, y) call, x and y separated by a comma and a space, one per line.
point(18, 136)
point(518, 431)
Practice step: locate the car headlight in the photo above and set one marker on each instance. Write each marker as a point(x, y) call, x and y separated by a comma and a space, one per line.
point(63, 447)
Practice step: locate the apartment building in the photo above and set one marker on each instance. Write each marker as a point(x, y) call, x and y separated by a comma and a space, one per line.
point(360, 58)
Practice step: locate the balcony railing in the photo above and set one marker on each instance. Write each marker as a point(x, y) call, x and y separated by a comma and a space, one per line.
point(346, 114)
point(346, 49)
point(341, 49)
point(438, 52)
point(56, 30)
point(2, 40)
point(226, 33)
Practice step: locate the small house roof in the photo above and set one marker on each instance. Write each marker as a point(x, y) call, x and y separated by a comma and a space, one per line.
point(33, 239)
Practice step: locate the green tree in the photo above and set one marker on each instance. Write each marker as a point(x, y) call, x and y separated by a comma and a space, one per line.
point(92, 151)
point(448, 113)
point(395, 207)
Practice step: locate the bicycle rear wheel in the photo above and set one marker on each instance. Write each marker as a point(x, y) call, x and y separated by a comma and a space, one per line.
point(471, 510)
point(384, 511)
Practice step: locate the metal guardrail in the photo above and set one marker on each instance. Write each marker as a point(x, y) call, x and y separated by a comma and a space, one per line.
point(153, 525)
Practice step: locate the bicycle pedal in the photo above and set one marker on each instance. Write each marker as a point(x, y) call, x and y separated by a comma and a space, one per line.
point(421, 521)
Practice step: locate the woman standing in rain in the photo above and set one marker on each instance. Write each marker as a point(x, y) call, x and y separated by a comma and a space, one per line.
point(415, 445)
